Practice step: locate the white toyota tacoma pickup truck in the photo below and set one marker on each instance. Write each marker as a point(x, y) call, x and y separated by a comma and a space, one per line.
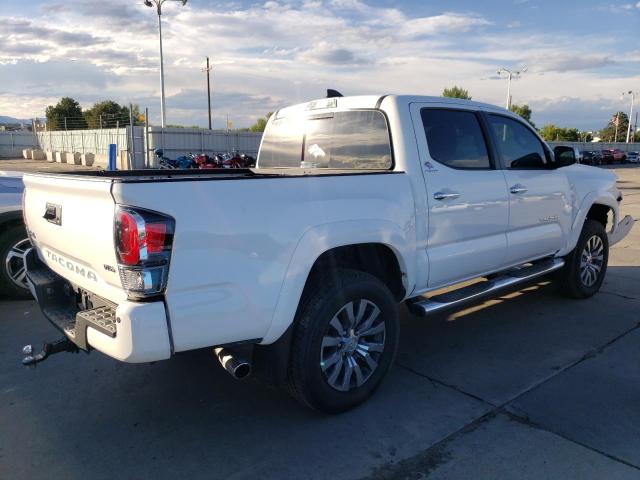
point(297, 267)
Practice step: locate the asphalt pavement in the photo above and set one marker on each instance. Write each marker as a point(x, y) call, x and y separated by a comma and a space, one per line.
point(526, 386)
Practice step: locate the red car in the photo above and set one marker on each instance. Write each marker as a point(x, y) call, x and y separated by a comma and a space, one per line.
point(613, 155)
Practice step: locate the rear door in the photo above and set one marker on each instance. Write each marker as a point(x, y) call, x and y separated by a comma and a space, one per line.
point(539, 198)
point(468, 207)
point(70, 220)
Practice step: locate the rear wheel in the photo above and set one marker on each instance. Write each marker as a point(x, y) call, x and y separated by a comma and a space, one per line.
point(586, 265)
point(13, 279)
point(345, 340)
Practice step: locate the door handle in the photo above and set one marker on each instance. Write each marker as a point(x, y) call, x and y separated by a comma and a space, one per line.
point(445, 195)
point(517, 188)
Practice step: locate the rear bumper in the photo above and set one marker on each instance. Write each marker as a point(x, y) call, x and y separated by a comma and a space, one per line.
point(130, 332)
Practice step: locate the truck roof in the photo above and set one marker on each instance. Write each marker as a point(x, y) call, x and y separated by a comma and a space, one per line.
point(374, 101)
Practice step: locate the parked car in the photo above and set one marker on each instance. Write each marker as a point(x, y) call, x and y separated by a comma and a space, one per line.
point(591, 157)
point(13, 237)
point(633, 157)
point(613, 155)
point(300, 270)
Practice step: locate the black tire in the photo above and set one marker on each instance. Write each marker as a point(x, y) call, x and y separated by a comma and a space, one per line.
point(571, 280)
point(13, 236)
point(309, 378)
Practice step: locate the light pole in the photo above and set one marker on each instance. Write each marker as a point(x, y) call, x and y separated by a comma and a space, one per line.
point(509, 75)
point(158, 5)
point(208, 69)
point(633, 99)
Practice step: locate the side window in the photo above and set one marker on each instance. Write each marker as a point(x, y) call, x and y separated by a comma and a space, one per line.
point(455, 138)
point(519, 147)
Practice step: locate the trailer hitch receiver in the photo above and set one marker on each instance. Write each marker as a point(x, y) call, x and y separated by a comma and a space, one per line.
point(48, 349)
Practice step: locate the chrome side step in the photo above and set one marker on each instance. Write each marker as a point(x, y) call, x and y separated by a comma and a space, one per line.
point(425, 306)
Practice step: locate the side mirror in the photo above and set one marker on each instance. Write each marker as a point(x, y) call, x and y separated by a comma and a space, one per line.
point(564, 156)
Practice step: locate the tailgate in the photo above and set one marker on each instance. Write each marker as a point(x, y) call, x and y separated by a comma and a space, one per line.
point(70, 220)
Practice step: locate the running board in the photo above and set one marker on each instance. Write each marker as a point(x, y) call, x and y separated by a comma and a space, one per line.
point(425, 306)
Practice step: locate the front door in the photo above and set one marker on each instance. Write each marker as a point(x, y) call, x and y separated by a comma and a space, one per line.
point(539, 197)
point(467, 196)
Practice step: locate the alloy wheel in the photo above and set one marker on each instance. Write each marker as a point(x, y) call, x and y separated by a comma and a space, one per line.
point(15, 263)
point(353, 344)
point(591, 261)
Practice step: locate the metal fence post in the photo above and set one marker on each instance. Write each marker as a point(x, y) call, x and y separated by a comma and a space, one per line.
point(146, 136)
point(132, 159)
point(117, 135)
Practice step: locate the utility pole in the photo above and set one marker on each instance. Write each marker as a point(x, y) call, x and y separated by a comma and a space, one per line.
point(510, 74)
point(633, 99)
point(615, 138)
point(208, 69)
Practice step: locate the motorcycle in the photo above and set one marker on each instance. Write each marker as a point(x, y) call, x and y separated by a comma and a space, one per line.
point(164, 163)
point(204, 161)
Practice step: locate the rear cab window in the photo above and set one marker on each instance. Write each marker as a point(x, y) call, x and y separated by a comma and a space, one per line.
point(349, 140)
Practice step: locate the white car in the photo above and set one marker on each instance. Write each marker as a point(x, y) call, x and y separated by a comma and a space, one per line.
point(356, 205)
point(633, 157)
point(13, 237)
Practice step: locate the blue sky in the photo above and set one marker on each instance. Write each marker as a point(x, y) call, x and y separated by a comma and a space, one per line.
point(580, 55)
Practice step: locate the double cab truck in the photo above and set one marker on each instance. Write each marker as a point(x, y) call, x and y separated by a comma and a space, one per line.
point(296, 268)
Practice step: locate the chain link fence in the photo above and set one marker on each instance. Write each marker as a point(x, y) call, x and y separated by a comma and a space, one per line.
point(135, 146)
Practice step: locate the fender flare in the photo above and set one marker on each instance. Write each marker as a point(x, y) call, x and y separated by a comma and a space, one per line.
point(591, 199)
point(322, 238)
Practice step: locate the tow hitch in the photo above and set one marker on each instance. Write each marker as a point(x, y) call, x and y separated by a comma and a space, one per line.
point(48, 349)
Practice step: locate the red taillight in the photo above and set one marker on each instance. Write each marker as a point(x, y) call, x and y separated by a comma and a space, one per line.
point(138, 236)
point(127, 244)
point(155, 234)
point(143, 244)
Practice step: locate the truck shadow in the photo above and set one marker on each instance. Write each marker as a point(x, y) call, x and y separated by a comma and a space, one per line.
point(75, 416)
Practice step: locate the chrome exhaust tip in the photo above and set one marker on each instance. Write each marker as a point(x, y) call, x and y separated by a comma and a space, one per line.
point(236, 366)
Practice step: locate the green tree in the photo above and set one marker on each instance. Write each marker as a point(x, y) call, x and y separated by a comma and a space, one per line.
point(109, 114)
point(456, 92)
point(608, 133)
point(552, 133)
point(66, 109)
point(261, 124)
point(524, 111)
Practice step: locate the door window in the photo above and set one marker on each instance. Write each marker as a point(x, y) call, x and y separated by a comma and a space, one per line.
point(455, 138)
point(519, 147)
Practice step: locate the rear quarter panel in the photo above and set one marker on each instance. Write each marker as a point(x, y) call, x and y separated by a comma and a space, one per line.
point(233, 259)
